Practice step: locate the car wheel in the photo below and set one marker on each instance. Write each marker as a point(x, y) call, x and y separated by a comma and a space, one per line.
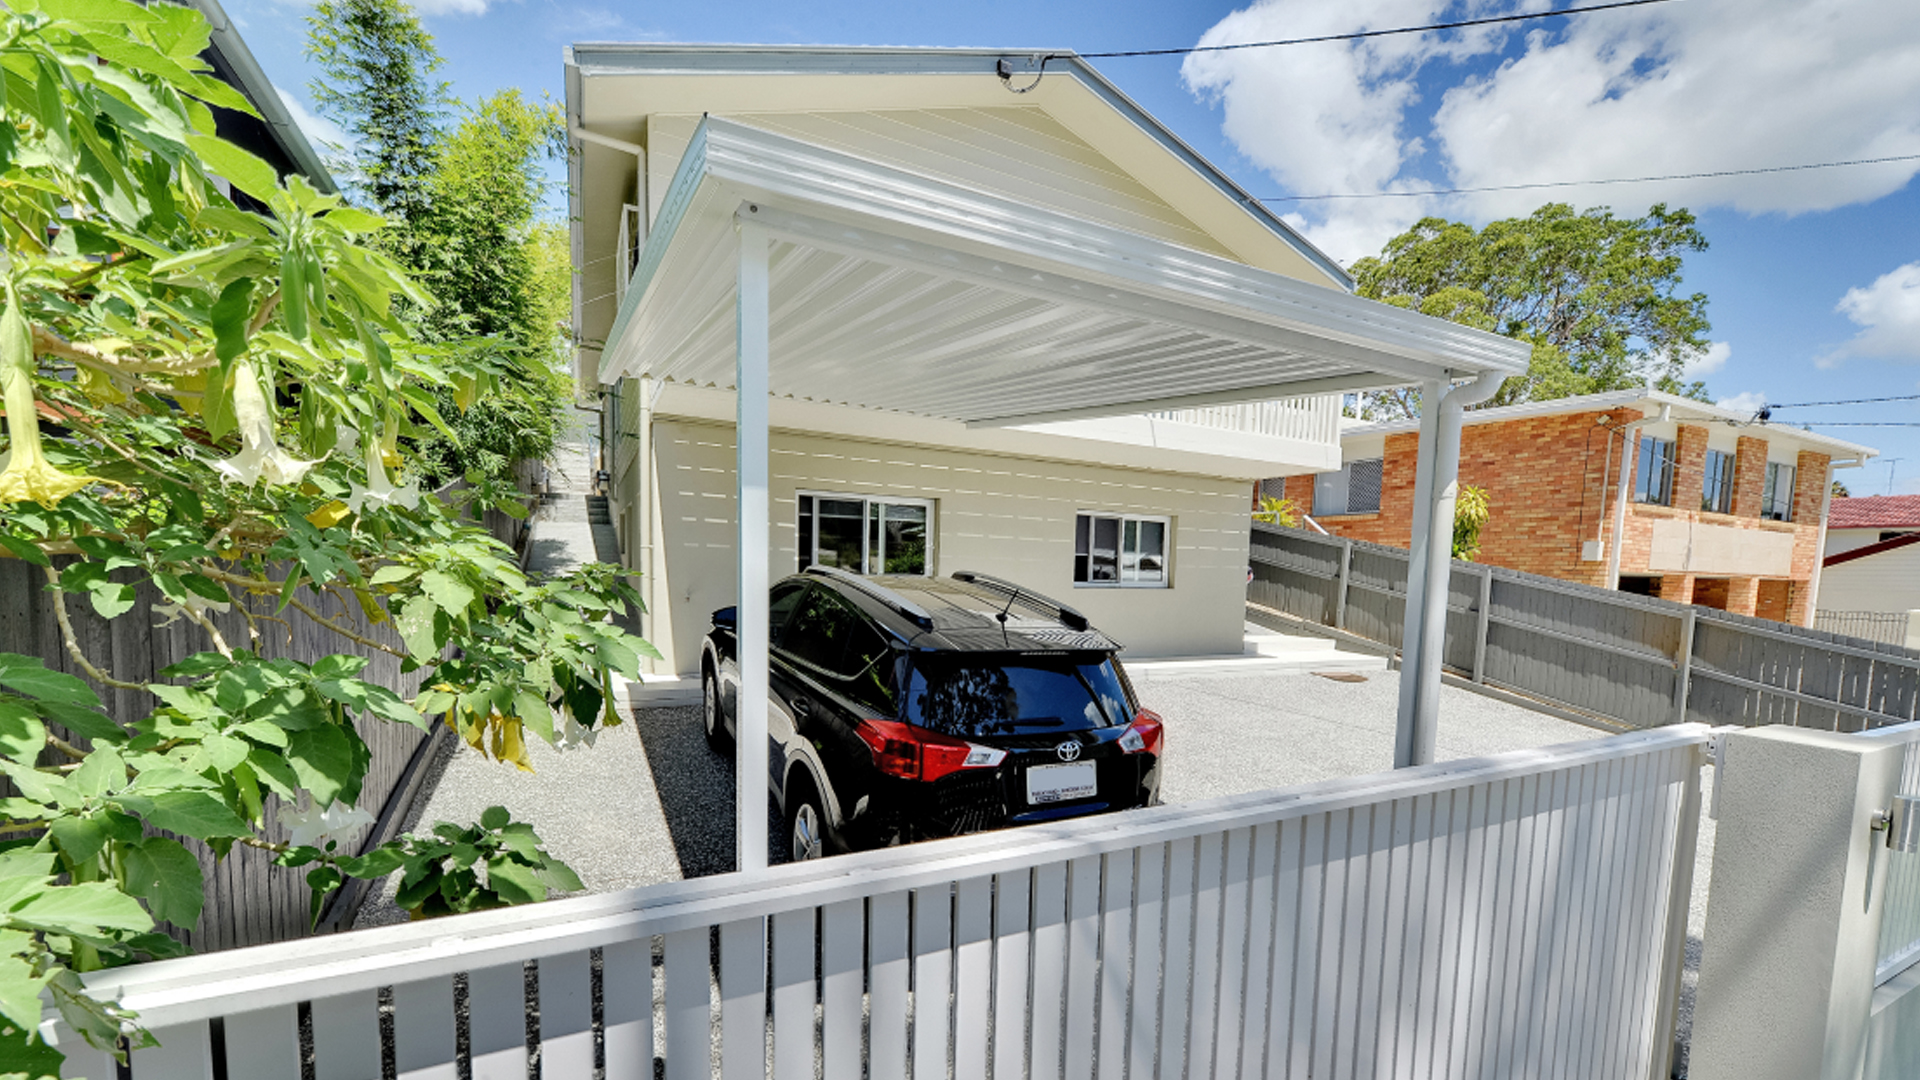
point(717, 737)
point(806, 823)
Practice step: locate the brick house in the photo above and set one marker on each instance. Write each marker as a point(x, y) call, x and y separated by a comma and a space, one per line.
point(1719, 510)
point(1870, 519)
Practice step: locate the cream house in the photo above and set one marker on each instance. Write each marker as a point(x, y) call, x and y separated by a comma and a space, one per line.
point(1019, 329)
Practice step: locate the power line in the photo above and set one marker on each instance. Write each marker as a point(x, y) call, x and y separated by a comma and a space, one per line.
point(1849, 401)
point(1863, 423)
point(1375, 33)
point(1591, 183)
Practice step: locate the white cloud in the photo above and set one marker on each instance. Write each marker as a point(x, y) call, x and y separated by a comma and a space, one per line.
point(1700, 86)
point(451, 7)
point(1888, 312)
point(1748, 402)
point(1701, 365)
point(320, 131)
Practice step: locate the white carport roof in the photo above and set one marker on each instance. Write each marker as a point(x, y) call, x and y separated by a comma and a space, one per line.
point(893, 290)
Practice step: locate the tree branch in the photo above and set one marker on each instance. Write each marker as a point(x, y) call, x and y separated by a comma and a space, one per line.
point(72, 640)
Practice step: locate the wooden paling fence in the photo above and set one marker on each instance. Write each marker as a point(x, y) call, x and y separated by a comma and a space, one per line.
point(1634, 660)
point(1518, 915)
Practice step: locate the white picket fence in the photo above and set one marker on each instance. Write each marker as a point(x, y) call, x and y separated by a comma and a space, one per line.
point(1513, 916)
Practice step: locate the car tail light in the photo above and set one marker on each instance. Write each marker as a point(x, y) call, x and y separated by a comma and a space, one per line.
point(913, 753)
point(1143, 737)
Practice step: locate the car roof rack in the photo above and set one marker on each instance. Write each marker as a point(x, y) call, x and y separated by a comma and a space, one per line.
point(914, 612)
point(1070, 618)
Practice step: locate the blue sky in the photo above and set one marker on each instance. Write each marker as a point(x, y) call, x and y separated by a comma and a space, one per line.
point(1813, 278)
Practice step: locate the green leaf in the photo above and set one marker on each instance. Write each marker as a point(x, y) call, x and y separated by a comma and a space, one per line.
point(230, 316)
point(80, 838)
point(293, 291)
point(387, 575)
point(27, 675)
point(323, 759)
point(352, 220)
point(559, 876)
point(189, 813)
point(514, 881)
point(535, 713)
point(416, 626)
point(236, 166)
point(20, 1006)
point(83, 721)
point(495, 817)
point(451, 594)
point(224, 751)
point(23, 549)
point(103, 771)
point(186, 701)
point(338, 666)
point(22, 735)
point(81, 910)
point(112, 599)
point(273, 770)
point(377, 863)
point(263, 731)
point(116, 14)
point(167, 876)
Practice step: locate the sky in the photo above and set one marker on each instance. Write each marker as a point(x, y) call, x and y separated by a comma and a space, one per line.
point(1813, 276)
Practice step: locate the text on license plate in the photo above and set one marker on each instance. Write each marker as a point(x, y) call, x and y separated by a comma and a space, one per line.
point(1061, 783)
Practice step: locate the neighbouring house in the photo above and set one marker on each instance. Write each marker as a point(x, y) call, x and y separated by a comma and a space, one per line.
point(1025, 332)
point(1711, 508)
point(1870, 575)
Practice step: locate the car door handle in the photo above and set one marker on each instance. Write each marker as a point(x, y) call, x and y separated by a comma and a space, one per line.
point(801, 708)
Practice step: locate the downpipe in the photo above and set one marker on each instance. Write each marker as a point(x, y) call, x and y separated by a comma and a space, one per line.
point(1420, 679)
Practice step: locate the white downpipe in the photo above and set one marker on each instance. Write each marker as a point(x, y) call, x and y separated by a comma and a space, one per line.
point(750, 546)
point(643, 499)
point(1431, 394)
point(1629, 468)
point(1420, 679)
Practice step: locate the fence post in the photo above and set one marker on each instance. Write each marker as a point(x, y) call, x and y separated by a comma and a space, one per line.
point(1340, 598)
point(1480, 636)
point(1793, 911)
point(1683, 669)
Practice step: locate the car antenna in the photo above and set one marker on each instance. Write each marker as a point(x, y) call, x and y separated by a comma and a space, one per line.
point(1012, 595)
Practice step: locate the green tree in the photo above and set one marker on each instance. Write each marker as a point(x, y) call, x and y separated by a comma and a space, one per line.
point(1597, 296)
point(235, 395)
point(1471, 511)
point(377, 65)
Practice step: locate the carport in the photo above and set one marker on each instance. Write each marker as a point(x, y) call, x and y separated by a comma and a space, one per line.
point(777, 267)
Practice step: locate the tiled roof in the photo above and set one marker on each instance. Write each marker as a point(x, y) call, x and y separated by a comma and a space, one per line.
point(1875, 512)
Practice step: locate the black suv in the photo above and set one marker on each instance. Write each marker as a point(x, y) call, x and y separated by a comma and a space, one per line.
point(904, 708)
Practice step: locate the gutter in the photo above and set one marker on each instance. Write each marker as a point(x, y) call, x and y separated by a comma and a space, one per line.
point(259, 89)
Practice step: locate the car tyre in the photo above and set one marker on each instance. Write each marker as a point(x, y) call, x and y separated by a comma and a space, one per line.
point(716, 727)
point(805, 822)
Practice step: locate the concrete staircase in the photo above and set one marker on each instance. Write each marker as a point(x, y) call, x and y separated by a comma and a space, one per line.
point(1267, 652)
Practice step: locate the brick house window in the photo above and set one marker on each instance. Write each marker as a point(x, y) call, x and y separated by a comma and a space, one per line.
point(1716, 491)
point(1653, 477)
point(1776, 498)
point(1355, 489)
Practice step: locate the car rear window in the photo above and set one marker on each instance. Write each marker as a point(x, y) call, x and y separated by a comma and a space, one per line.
point(974, 696)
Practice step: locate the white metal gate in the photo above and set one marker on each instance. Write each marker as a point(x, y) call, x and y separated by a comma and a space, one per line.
point(1513, 916)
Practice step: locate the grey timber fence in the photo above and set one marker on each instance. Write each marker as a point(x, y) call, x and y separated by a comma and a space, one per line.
point(1635, 661)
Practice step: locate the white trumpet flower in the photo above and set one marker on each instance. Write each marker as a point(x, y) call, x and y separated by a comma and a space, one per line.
point(380, 491)
point(312, 825)
point(25, 472)
point(573, 734)
point(193, 607)
point(260, 457)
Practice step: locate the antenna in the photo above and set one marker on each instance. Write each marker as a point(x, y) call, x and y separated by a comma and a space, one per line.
point(1891, 462)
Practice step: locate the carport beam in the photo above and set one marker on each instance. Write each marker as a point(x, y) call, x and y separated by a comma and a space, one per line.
point(750, 546)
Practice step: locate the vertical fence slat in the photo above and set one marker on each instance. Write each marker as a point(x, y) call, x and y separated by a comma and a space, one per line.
point(1206, 953)
point(346, 1036)
point(1083, 960)
point(497, 1022)
point(887, 1023)
point(1176, 979)
point(566, 1017)
point(263, 1045)
point(793, 994)
point(1260, 910)
point(1012, 943)
point(687, 971)
point(743, 999)
point(423, 1030)
point(1230, 1008)
point(843, 934)
point(626, 1009)
point(1049, 967)
point(1116, 968)
point(1149, 908)
point(1371, 975)
point(932, 980)
point(185, 1053)
point(972, 976)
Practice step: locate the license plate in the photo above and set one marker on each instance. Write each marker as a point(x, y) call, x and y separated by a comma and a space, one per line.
point(1061, 783)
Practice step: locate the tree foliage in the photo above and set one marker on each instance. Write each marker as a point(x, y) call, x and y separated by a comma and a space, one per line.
point(1471, 511)
point(220, 404)
point(1596, 295)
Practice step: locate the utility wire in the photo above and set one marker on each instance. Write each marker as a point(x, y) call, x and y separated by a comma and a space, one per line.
point(1375, 33)
point(1589, 183)
point(1862, 423)
point(1849, 401)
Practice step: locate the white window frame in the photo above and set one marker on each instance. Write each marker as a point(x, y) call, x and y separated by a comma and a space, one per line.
point(1770, 494)
point(866, 536)
point(1324, 485)
point(1166, 555)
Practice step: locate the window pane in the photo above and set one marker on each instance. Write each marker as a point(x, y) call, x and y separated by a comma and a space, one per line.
point(1081, 525)
point(869, 669)
point(1363, 486)
point(904, 540)
point(1330, 493)
point(972, 698)
point(1153, 551)
point(840, 523)
point(1129, 551)
point(804, 543)
point(784, 599)
point(873, 539)
point(1105, 553)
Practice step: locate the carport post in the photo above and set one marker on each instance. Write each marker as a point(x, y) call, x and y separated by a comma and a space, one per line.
point(750, 547)
point(1412, 623)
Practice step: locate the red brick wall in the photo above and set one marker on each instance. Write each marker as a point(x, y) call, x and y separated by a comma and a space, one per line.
point(1299, 490)
point(1776, 599)
point(1543, 476)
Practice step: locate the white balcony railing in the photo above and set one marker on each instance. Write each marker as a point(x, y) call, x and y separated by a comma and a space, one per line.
point(1310, 419)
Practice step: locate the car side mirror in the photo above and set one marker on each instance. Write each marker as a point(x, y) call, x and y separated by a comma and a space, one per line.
point(725, 618)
